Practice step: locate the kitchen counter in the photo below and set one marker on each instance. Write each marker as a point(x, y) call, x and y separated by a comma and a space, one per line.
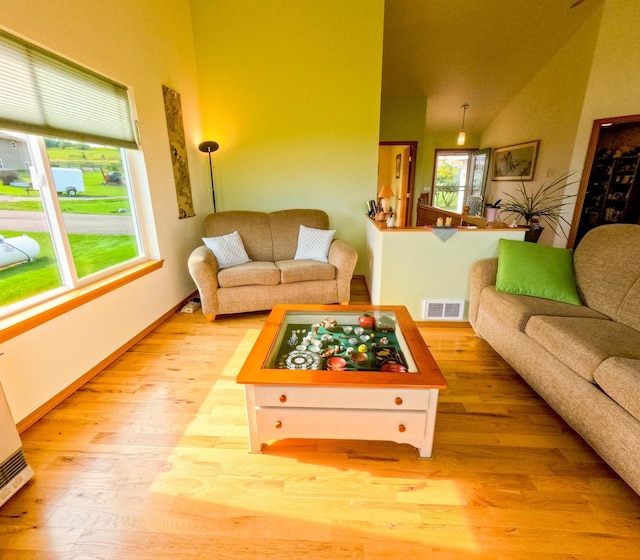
point(417, 266)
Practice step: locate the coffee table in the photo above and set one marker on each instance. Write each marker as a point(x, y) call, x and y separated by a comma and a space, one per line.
point(392, 395)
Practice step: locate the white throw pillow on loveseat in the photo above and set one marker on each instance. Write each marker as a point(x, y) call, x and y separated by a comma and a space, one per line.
point(313, 244)
point(228, 249)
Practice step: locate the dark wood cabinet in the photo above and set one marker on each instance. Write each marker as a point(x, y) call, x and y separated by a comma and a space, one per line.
point(610, 188)
point(612, 191)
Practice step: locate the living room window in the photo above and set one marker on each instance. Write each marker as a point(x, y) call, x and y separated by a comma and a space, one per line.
point(451, 171)
point(67, 209)
point(67, 219)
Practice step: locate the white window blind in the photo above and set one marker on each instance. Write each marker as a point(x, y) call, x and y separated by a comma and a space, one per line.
point(47, 95)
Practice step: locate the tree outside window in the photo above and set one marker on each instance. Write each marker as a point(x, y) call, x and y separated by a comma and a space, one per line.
point(451, 172)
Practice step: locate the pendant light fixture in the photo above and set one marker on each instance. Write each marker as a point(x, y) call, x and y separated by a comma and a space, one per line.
point(462, 137)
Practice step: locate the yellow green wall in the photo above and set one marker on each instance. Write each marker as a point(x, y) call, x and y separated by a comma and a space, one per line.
point(291, 91)
point(614, 78)
point(403, 119)
point(595, 75)
point(548, 109)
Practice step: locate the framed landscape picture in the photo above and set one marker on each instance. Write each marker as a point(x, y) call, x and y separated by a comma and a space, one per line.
point(515, 162)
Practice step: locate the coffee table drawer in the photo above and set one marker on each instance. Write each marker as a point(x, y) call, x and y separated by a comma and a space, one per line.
point(281, 423)
point(342, 397)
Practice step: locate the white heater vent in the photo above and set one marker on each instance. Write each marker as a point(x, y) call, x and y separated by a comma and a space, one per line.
point(443, 310)
point(14, 471)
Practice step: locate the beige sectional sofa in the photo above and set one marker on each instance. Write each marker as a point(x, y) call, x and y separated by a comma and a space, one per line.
point(583, 360)
point(272, 273)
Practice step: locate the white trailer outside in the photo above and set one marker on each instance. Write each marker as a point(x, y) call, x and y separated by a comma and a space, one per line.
point(68, 180)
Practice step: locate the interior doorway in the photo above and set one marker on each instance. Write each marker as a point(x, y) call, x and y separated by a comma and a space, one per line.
point(397, 168)
point(610, 188)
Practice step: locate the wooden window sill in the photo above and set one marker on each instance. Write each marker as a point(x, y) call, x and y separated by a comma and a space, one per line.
point(27, 319)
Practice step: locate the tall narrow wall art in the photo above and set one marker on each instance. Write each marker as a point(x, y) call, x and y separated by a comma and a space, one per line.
point(177, 145)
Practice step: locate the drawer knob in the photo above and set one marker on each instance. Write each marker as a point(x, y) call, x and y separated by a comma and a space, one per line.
point(278, 424)
point(283, 398)
point(398, 401)
point(402, 428)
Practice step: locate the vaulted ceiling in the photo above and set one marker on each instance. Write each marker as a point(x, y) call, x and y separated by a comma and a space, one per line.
point(476, 52)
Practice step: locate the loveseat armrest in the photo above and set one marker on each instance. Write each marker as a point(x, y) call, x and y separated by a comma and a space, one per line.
point(344, 257)
point(483, 273)
point(203, 268)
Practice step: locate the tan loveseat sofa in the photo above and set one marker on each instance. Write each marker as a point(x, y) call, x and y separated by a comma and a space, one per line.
point(583, 360)
point(272, 275)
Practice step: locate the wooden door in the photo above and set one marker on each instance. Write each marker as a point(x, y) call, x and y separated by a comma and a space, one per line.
point(401, 179)
point(402, 195)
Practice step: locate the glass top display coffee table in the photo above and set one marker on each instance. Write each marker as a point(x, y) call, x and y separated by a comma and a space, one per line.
point(341, 372)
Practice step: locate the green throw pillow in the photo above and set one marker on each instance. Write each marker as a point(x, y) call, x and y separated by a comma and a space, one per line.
point(536, 270)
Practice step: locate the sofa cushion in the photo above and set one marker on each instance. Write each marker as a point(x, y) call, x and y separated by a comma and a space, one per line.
point(583, 344)
point(305, 270)
point(252, 273)
point(514, 310)
point(620, 379)
point(536, 270)
point(628, 310)
point(254, 229)
point(285, 226)
point(228, 249)
point(608, 271)
point(313, 243)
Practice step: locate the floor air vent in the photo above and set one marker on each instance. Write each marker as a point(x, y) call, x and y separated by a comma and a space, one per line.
point(443, 310)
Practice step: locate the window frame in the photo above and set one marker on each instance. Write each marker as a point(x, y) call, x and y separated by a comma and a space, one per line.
point(463, 189)
point(53, 215)
point(29, 318)
point(36, 310)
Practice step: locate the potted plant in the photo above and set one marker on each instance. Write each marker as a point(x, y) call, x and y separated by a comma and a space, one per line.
point(543, 205)
point(491, 209)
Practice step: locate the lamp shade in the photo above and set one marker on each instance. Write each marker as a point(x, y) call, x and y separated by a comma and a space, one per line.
point(208, 146)
point(386, 192)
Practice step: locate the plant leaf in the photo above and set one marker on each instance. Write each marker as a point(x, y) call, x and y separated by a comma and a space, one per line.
point(546, 203)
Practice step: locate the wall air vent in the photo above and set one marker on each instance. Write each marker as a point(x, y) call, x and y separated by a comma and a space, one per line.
point(443, 310)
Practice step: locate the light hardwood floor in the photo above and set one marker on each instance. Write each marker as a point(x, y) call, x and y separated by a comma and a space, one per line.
point(149, 461)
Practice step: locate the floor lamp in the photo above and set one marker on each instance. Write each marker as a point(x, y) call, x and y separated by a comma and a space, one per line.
point(208, 147)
